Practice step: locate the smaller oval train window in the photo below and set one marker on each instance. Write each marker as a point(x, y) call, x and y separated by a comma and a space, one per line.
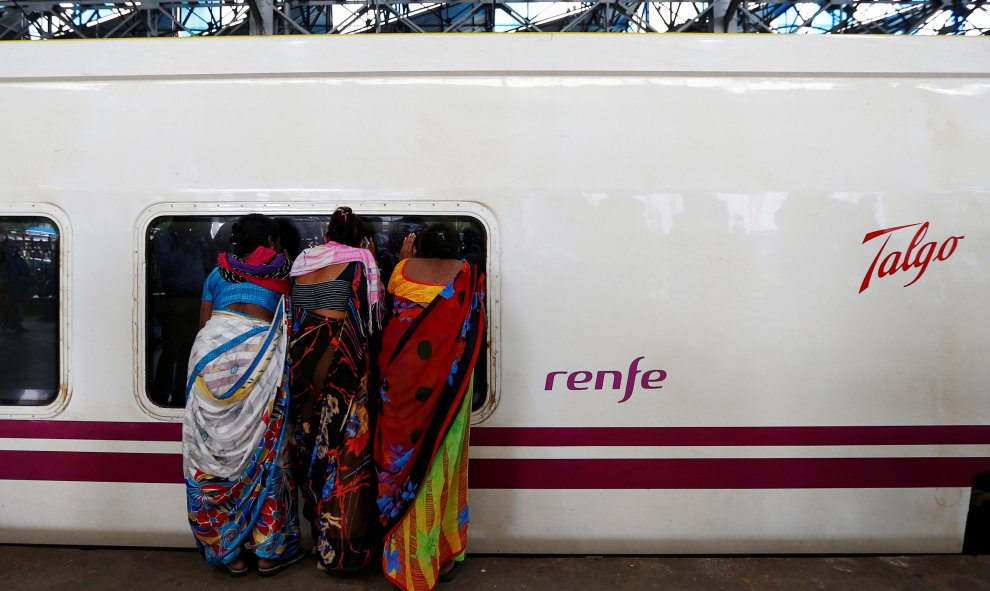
point(29, 311)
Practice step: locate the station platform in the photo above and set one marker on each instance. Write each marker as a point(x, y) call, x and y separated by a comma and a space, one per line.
point(39, 568)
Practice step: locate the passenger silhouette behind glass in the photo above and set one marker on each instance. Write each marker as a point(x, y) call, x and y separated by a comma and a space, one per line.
point(183, 256)
point(289, 237)
point(15, 278)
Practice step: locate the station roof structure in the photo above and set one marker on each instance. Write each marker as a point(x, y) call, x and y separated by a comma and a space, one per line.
point(39, 19)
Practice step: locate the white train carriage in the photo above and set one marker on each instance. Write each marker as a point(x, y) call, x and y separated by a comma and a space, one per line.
point(737, 284)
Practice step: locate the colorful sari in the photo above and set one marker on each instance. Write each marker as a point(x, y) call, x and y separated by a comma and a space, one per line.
point(236, 441)
point(331, 369)
point(427, 360)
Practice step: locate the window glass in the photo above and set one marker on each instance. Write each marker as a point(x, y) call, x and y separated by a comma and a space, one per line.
point(182, 250)
point(29, 311)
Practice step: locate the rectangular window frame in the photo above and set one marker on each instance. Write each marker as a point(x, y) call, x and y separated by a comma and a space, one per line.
point(61, 221)
point(461, 208)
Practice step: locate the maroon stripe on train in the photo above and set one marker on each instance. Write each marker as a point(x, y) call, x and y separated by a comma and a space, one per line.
point(81, 466)
point(571, 436)
point(91, 430)
point(722, 473)
point(734, 473)
point(730, 436)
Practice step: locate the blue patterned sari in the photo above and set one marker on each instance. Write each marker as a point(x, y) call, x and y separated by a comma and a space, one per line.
point(236, 440)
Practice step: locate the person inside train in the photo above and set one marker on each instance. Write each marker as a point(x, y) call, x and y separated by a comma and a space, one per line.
point(337, 301)
point(183, 257)
point(429, 349)
point(290, 238)
point(237, 461)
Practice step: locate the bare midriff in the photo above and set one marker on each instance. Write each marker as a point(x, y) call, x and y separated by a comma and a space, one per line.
point(253, 310)
point(332, 314)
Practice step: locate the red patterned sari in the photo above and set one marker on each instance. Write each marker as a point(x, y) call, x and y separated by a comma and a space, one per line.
point(427, 360)
point(334, 424)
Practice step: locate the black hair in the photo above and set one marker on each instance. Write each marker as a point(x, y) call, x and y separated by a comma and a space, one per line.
point(250, 232)
point(473, 247)
point(346, 227)
point(438, 241)
point(290, 238)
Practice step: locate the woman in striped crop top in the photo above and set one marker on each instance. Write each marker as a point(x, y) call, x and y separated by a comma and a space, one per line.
point(336, 299)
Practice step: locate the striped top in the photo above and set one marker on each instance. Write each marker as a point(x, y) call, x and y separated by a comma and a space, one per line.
point(334, 294)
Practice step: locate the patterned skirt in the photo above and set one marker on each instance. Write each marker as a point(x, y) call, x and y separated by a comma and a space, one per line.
point(236, 442)
point(433, 530)
point(334, 428)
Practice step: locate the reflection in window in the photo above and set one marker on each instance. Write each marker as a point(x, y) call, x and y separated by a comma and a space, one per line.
point(182, 250)
point(29, 306)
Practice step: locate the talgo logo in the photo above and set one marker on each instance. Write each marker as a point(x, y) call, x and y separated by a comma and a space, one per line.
point(919, 254)
point(610, 379)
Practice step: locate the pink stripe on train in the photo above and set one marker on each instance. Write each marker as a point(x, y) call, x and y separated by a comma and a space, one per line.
point(730, 436)
point(621, 473)
point(570, 436)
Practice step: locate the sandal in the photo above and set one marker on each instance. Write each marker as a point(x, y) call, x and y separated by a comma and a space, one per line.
point(281, 566)
point(237, 572)
point(452, 573)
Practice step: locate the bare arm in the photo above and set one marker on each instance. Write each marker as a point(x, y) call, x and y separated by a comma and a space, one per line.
point(205, 311)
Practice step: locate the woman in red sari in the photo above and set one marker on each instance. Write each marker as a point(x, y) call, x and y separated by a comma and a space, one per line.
point(429, 350)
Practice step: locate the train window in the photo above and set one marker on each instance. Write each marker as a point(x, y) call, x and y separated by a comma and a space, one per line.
point(182, 250)
point(29, 311)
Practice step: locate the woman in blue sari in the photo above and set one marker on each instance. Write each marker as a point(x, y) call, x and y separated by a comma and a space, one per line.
point(236, 434)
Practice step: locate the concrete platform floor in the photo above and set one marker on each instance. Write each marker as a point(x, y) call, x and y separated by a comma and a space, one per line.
point(39, 568)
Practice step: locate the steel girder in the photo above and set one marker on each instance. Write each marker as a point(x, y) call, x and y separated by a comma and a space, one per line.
point(36, 19)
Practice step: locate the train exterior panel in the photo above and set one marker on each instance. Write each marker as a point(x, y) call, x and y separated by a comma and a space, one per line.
point(737, 285)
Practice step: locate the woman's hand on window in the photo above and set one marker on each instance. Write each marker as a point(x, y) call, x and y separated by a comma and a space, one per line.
point(408, 249)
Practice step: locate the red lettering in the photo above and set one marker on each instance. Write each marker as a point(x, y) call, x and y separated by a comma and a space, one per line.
point(894, 260)
point(869, 272)
point(922, 263)
point(916, 241)
point(955, 242)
